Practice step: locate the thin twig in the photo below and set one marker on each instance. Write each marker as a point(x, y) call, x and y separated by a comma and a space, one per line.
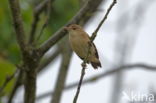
point(103, 20)
point(49, 7)
point(110, 72)
point(92, 39)
point(7, 80)
point(79, 85)
point(17, 84)
point(38, 10)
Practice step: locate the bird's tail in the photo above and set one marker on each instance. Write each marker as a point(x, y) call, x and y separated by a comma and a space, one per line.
point(96, 64)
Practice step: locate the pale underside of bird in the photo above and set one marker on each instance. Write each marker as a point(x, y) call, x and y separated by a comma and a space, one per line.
point(80, 43)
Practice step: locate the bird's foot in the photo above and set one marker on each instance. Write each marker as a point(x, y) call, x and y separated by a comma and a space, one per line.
point(83, 65)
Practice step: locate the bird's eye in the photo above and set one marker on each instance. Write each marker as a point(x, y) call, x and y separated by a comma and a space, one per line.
point(74, 28)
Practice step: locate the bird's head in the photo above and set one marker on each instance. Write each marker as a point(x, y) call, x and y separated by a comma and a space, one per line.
point(73, 28)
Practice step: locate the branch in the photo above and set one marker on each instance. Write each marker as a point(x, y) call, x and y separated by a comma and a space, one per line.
point(17, 84)
point(48, 60)
point(7, 80)
point(37, 12)
point(20, 79)
point(89, 7)
point(18, 23)
point(103, 20)
point(30, 58)
point(49, 7)
point(79, 84)
point(103, 75)
point(63, 71)
point(92, 39)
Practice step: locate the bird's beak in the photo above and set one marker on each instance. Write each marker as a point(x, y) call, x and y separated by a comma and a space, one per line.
point(66, 28)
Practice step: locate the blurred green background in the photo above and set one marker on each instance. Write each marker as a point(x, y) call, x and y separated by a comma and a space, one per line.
point(61, 12)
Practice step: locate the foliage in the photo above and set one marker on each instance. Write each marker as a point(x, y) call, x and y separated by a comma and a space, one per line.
point(62, 11)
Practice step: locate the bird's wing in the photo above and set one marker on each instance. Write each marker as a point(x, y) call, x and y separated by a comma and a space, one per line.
point(92, 44)
point(96, 52)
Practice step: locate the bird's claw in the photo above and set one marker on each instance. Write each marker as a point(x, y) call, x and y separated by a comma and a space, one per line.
point(83, 65)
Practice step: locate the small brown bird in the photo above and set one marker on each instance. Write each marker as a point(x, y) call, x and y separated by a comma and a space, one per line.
point(80, 42)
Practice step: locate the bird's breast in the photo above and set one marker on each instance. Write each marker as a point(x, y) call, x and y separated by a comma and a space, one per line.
point(79, 45)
